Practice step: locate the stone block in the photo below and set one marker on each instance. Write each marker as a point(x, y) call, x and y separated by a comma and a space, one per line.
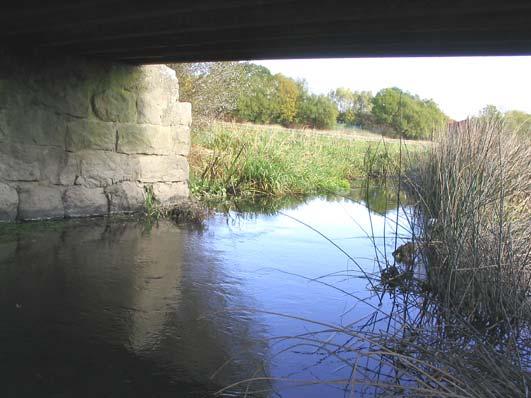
point(17, 165)
point(183, 141)
point(151, 107)
point(162, 168)
point(159, 88)
point(61, 84)
point(71, 169)
point(31, 163)
point(145, 139)
point(40, 202)
point(178, 113)
point(82, 138)
point(82, 202)
point(8, 203)
point(125, 197)
point(115, 105)
point(170, 193)
point(159, 76)
point(68, 96)
point(32, 125)
point(51, 162)
point(102, 168)
point(90, 134)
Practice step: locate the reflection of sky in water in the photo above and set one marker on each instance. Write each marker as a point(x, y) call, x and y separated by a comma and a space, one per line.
point(161, 310)
point(275, 254)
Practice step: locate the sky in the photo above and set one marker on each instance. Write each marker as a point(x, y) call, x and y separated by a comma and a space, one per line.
point(461, 86)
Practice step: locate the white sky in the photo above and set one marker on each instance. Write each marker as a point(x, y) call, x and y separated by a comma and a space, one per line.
point(461, 86)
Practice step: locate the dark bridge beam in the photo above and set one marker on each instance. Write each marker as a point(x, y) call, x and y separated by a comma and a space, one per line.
point(165, 31)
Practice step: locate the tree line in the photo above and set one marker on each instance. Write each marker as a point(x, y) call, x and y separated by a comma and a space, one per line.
point(248, 92)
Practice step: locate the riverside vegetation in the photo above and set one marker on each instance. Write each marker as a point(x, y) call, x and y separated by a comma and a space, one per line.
point(241, 160)
point(463, 330)
point(473, 221)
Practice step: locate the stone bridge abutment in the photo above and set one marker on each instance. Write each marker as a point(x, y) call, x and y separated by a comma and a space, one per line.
point(83, 138)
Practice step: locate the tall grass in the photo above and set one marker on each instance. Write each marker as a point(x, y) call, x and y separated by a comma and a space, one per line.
point(474, 190)
point(243, 160)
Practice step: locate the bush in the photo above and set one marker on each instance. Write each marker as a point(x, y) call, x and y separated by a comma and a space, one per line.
point(317, 111)
point(407, 115)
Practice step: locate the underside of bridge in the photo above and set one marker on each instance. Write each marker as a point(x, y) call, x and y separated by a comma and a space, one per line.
point(85, 129)
point(160, 31)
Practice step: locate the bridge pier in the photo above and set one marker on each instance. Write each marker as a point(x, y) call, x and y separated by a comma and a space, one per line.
point(82, 138)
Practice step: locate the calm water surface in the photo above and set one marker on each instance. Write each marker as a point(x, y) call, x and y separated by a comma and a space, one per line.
point(115, 308)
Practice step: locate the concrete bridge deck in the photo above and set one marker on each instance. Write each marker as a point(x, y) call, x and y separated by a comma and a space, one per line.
point(161, 31)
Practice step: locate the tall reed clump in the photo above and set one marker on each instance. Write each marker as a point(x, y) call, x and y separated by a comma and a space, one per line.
point(474, 191)
point(240, 160)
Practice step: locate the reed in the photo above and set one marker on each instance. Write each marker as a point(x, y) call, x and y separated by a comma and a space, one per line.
point(474, 192)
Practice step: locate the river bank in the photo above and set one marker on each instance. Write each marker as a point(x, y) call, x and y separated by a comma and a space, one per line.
point(243, 160)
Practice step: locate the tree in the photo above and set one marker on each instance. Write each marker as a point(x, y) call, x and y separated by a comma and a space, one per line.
point(288, 99)
point(344, 100)
point(212, 87)
point(520, 122)
point(406, 114)
point(490, 112)
point(317, 111)
point(353, 106)
point(256, 102)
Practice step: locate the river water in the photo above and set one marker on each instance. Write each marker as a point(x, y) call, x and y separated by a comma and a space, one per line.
point(118, 308)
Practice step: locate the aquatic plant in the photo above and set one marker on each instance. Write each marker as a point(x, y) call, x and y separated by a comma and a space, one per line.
point(185, 211)
point(152, 207)
point(473, 189)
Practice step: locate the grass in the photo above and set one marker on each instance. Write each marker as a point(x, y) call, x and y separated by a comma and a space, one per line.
point(464, 331)
point(242, 160)
point(186, 211)
point(474, 192)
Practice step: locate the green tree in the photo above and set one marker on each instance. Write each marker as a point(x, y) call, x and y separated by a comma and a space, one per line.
point(212, 87)
point(406, 114)
point(257, 99)
point(353, 106)
point(317, 111)
point(490, 112)
point(288, 99)
point(344, 100)
point(519, 122)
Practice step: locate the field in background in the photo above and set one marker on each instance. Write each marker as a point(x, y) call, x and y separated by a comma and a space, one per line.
point(344, 132)
point(233, 159)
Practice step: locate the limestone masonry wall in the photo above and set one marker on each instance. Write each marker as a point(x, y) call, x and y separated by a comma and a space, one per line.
point(79, 138)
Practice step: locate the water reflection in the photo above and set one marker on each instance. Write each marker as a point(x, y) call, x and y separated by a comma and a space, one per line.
point(94, 307)
point(379, 197)
point(111, 308)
